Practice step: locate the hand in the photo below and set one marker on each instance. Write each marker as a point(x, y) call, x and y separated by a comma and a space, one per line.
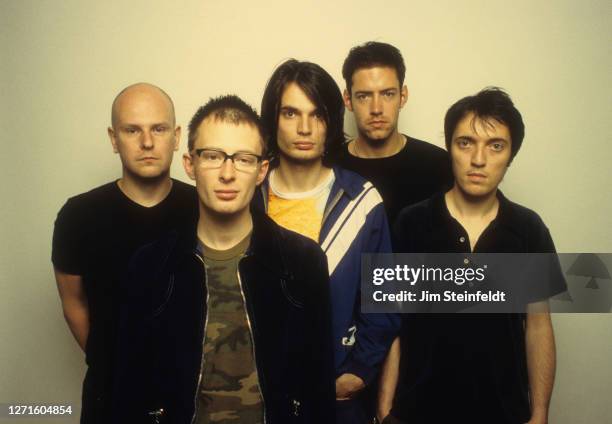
point(538, 416)
point(383, 409)
point(382, 414)
point(347, 386)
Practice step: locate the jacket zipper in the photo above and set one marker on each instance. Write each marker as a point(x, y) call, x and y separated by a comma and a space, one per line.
point(328, 209)
point(195, 397)
point(246, 312)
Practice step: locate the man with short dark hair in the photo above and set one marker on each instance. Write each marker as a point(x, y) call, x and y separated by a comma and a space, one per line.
point(476, 368)
point(228, 322)
point(403, 169)
point(302, 109)
point(97, 232)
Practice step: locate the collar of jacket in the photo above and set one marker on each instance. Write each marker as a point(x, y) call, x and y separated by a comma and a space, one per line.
point(265, 244)
point(343, 180)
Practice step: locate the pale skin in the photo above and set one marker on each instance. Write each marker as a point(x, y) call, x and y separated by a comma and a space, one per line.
point(225, 193)
point(145, 136)
point(480, 154)
point(541, 360)
point(376, 98)
point(74, 305)
point(301, 138)
point(389, 375)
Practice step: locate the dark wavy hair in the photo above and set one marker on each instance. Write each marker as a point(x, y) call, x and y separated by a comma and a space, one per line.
point(370, 54)
point(320, 88)
point(489, 103)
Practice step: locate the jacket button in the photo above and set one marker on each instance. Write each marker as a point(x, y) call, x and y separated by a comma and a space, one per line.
point(296, 407)
point(156, 415)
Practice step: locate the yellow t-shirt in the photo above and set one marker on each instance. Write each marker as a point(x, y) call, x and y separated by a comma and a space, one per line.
point(300, 212)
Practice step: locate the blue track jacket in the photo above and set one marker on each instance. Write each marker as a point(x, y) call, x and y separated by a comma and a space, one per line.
point(354, 222)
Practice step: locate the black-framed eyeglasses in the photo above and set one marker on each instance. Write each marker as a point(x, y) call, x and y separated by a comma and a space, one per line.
point(214, 158)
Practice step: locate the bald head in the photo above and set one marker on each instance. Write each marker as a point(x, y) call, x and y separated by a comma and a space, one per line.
point(144, 132)
point(143, 98)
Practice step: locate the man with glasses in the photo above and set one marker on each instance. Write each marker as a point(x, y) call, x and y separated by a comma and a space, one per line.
point(234, 323)
point(97, 232)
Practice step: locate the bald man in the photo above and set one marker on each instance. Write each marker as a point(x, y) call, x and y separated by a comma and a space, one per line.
point(97, 232)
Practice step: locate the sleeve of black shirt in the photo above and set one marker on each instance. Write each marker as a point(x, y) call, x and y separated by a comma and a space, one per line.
point(67, 236)
point(540, 241)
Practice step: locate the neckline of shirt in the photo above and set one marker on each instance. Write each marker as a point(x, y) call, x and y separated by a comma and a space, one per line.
point(325, 184)
point(223, 255)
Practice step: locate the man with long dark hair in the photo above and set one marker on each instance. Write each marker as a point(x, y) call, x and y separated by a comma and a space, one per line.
point(302, 111)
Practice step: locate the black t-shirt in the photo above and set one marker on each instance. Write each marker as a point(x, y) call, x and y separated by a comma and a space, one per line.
point(95, 235)
point(413, 174)
point(466, 367)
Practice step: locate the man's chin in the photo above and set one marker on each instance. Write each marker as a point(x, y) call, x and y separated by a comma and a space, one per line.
point(477, 193)
point(226, 212)
point(303, 159)
point(149, 176)
point(378, 136)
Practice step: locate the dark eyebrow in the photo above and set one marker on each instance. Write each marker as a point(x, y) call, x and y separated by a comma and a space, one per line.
point(490, 140)
point(384, 90)
point(464, 137)
point(298, 111)
point(216, 149)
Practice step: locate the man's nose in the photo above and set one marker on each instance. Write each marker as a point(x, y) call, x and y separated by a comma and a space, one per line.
point(227, 171)
point(376, 107)
point(479, 156)
point(147, 140)
point(304, 126)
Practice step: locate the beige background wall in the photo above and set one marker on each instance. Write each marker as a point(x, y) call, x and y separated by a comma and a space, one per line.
point(63, 61)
